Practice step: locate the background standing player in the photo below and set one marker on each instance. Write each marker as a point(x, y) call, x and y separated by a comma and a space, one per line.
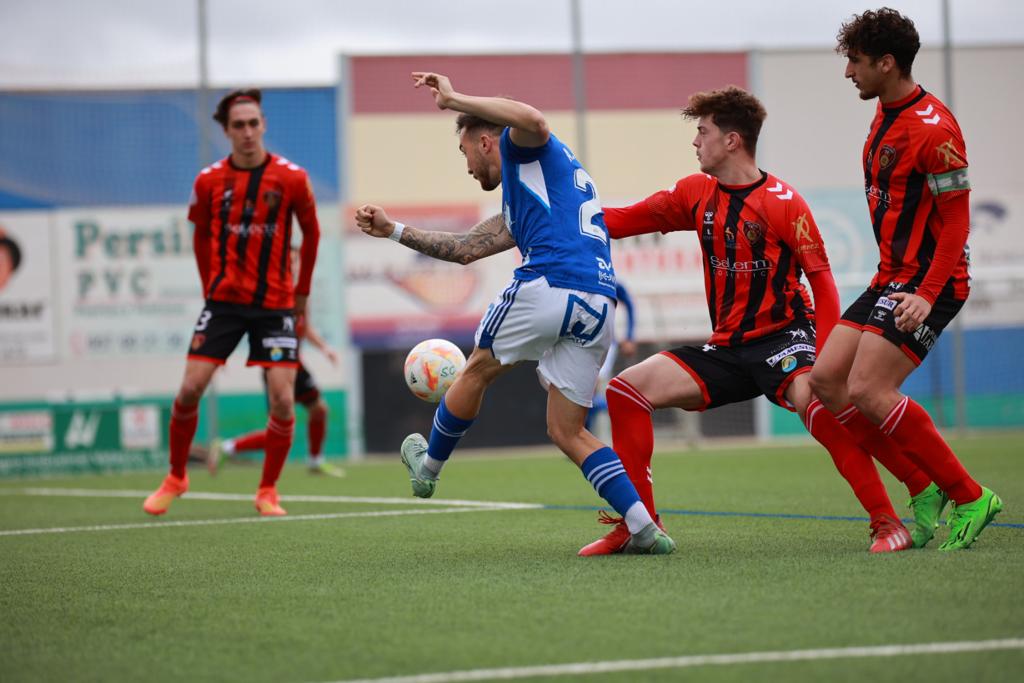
point(757, 235)
point(307, 394)
point(558, 309)
point(242, 208)
point(915, 178)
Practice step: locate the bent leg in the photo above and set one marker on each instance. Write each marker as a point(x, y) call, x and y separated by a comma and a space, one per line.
point(601, 466)
point(875, 379)
point(832, 368)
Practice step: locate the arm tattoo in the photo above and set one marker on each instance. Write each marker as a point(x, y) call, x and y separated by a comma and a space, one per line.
point(488, 237)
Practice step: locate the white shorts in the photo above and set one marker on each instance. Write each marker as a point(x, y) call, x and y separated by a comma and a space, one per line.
point(567, 330)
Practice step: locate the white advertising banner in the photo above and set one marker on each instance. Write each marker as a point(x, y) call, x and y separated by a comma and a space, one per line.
point(129, 281)
point(26, 289)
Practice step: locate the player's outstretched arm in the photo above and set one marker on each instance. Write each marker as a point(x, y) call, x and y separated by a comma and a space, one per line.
point(486, 238)
point(528, 126)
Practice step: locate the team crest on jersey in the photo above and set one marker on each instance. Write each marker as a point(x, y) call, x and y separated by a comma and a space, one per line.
point(950, 155)
point(272, 198)
point(753, 232)
point(886, 156)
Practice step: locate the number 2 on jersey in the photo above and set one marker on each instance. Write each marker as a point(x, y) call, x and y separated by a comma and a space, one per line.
point(589, 208)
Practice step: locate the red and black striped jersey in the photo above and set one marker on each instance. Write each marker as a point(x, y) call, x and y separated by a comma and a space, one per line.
point(757, 239)
point(243, 221)
point(914, 158)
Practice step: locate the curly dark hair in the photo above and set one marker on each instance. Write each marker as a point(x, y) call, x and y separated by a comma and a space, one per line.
point(732, 109)
point(877, 33)
point(220, 115)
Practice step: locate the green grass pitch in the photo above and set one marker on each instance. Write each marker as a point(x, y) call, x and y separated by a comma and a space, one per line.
point(772, 557)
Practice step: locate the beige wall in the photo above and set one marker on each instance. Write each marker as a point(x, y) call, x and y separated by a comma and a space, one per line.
point(412, 158)
point(817, 125)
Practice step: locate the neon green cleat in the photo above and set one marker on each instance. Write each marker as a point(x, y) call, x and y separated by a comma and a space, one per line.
point(650, 540)
point(927, 507)
point(414, 449)
point(326, 468)
point(966, 521)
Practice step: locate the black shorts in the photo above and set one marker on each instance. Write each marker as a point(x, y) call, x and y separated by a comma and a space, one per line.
point(873, 312)
point(220, 327)
point(306, 390)
point(764, 366)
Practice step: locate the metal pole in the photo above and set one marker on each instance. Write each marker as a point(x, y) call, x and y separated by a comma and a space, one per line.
point(202, 123)
point(959, 346)
point(353, 358)
point(579, 81)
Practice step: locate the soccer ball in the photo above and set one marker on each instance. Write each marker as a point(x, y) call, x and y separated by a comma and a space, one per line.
point(431, 367)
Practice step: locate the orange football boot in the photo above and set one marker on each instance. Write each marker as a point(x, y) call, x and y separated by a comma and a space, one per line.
point(267, 502)
point(160, 500)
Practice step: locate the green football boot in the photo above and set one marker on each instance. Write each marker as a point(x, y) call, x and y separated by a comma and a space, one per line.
point(650, 540)
point(414, 450)
point(927, 507)
point(966, 521)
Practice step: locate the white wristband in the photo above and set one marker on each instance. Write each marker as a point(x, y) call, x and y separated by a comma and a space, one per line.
point(396, 234)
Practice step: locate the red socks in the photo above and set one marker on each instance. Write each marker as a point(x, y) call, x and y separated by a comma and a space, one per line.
point(852, 462)
point(315, 429)
point(278, 443)
point(885, 450)
point(633, 436)
point(909, 425)
point(253, 441)
point(182, 429)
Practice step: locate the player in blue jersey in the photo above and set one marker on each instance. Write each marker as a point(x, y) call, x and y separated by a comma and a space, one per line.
point(559, 308)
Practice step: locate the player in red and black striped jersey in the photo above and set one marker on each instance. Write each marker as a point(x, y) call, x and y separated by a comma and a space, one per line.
point(242, 208)
point(757, 236)
point(915, 178)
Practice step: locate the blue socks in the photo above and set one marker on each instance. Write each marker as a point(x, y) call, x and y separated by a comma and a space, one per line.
point(605, 472)
point(444, 436)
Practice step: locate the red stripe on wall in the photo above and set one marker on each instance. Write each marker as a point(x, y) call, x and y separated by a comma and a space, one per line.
point(383, 85)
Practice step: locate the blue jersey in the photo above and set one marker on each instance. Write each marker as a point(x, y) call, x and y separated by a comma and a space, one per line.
point(554, 214)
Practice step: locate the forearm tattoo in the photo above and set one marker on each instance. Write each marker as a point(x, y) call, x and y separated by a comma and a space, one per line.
point(486, 238)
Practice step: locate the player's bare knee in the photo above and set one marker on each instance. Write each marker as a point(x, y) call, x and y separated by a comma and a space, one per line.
point(318, 410)
point(190, 392)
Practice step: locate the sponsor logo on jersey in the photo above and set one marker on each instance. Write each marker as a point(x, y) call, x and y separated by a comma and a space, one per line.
point(950, 155)
point(926, 336)
point(730, 236)
point(789, 351)
point(879, 194)
point(276, 354)
point(886, 303)
point(798, 334)
point(802, 228)
point(728, 266)
point(788, 363)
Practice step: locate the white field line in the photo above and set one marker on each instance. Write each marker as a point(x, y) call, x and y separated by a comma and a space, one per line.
point(587, 668)
point(241, 520)
point(112, 493)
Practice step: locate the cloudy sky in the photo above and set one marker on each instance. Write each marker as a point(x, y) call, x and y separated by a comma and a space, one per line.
point(111, 43)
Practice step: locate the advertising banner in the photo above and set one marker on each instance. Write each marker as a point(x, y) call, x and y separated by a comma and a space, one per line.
point(129, 281)
point(26, 289)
